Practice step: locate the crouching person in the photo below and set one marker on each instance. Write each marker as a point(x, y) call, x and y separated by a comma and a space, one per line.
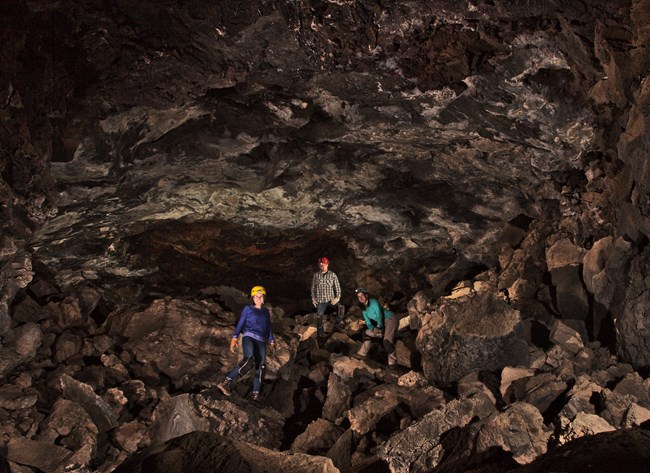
point(255, 327)
point(377, 320)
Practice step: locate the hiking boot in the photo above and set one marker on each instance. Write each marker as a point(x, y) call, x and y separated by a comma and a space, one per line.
point(365, 348)
point(225, 386)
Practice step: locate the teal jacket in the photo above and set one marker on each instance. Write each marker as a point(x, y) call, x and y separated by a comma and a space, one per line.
point(375, 315)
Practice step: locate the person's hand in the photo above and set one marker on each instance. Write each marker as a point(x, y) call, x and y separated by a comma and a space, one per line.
point(313, 301)
point(376, 332)
point(234, 344)
point(335, 300)
point(272, 345)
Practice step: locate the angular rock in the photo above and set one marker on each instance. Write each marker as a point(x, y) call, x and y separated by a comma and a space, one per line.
point(67, 345)
point(563, 334)
point(418, 447)
point(416, 308)
point(180, 339)
point(542, 390)
point(45, 456)
point(27, 339)
point(633, 322)
point(318, 438)
point(563, 260)
point(130, 436)
point(635, 416)
point(614, 406)
point(339, 395)
point(175, 417)
point(102, 414)
point(583, 425)
point(350, 368)
point(341, 452)
point(471, 385)
point(412, 379)
point(210, 411)
point(618, 451)
point(518, 429)
point(66, 417)
point(68, 313)
point(632, 384)
point(579, 398)
point(386, 399)
point(481, 333)
point(14, 398)
point(594, 263)
point(203, 452)
point(510, 374)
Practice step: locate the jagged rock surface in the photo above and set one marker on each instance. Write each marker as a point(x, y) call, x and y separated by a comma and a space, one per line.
point(468, 162)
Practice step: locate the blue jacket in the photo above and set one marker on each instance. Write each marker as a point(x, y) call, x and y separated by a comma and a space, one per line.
point(255, 323)
point(375, 315)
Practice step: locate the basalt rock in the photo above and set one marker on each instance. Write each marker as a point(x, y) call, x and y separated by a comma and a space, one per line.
point(204, 452)
point(481, 167)
point(479, 332)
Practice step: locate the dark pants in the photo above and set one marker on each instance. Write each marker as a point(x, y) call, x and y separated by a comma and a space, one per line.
point(320, 315)
point(254, 356)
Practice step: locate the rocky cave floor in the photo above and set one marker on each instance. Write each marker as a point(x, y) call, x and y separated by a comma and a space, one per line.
point(137, 392)
point(486, 161)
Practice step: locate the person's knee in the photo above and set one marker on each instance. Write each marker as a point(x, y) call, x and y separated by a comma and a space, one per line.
point(246, 365)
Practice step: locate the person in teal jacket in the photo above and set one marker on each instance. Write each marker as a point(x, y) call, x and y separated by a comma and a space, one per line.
point(378, 320)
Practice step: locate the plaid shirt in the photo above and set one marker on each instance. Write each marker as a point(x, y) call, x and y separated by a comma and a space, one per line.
point(325, 287)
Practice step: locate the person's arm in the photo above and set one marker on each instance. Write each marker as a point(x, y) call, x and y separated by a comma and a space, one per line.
point(369, 322)
point(337, 290)
point(269, 334)
point(240, 324)
point(313, 289)
point(375, 313)
point(234, 340)
point(337, 287)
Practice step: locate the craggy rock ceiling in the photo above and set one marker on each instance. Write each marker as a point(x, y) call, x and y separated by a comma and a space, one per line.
point(157, 159)
point(175, 145)
point(161, 148)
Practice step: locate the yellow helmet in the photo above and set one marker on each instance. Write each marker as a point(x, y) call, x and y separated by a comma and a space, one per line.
point(257, 289)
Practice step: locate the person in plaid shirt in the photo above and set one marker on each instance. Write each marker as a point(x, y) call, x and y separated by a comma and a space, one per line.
point(325, 291)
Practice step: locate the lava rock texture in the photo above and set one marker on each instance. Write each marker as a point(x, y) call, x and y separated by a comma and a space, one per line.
point(482, 166)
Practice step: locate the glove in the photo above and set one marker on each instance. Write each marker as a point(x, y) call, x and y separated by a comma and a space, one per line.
point(234, 344)
point(313, 301)
point(335, 300)
point(374, 333)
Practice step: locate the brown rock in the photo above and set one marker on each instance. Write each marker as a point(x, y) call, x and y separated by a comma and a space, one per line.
point(202, 452)
point(42, 455)
point(319, 436)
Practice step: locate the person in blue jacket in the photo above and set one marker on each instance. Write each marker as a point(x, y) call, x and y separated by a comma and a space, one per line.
point(255, 327)
point(377, 319)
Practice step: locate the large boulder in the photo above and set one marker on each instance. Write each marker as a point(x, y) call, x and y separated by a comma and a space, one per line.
point(210, 411)
point(563, 261)
point(203, 452)
point(478, 332)
point(633, 322)
point(419, 448)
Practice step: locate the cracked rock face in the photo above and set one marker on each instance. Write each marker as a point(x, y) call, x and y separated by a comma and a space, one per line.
point(479, 165)
point(222, 140)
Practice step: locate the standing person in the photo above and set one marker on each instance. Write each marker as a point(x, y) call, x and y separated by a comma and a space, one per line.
point(325, 290)
point(255, 327)
point(377, 318)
